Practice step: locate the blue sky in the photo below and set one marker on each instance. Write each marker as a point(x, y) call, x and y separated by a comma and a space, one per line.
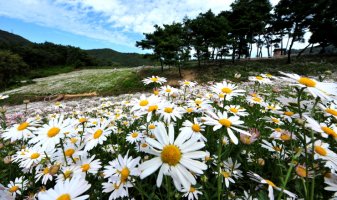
point(88, 24)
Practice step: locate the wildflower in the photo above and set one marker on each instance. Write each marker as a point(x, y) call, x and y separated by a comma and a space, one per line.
point(330, 110)
point(2, 97)
point(331, 180)
point(50, 134)
point(246, 139)
point(154, 79)
point(90, 165)
point(186, 83)
point(321, 128)
point(21, 131)
point(174, 157)
point(271, 185)
point(17, 186)
point(134, 137)
point(226, 90)
point(236, 110)
point(97, 135)
point(323, 90)
point(260, 79)
point(230, 123)
point(69, 189)
point(194, 129)
point(191, 193)
point(170, 111)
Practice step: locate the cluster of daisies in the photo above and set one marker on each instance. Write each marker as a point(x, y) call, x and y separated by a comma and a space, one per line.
point(219, 140)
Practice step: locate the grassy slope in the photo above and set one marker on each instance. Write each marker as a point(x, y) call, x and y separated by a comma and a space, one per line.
point(128, 80)
point(101, 81)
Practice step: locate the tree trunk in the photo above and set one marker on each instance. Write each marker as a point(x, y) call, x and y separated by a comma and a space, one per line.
point(162, 66)
point(289, 51)
point(233, 54)
point(300, 53)
point(179, 70)
point(282, 42)
point(312, 46)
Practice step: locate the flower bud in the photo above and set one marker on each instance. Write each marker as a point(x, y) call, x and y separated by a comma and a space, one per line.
point(261, 161)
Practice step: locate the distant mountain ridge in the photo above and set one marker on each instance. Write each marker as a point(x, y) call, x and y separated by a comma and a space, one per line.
point(110, 57)
point(101, 57)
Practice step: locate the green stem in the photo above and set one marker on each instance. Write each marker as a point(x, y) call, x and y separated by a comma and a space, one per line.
point(219, 189)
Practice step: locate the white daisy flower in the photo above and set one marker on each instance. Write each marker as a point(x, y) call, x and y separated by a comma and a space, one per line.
point(321, 128)
point(230, 123)
point(22, 131)
point(186, 83)
point(122, 169)
point(194, 129)
point(134, 137)
point(323, 90)
point(260, 79)
point(154, 79)
point(330, 110)
point(45, 174)
point(17, 186)
point(117, 191)
point(50, 134)
point(170, 111)
point(236, 110)
point(2, 97)
point(271, 185)
point(331, 181)
point(69, 189)
point(176, 158)
point(191, 193)
point(90, 165)
point(97, 135)
point(226, 90)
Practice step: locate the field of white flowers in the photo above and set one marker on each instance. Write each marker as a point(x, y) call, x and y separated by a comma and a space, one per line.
point(271, 138)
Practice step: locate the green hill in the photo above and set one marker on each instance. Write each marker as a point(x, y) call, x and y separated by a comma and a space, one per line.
point(109, 57)
point(9, 39)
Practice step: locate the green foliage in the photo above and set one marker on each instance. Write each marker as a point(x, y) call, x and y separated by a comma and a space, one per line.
point(11, 65)
point(109, 57)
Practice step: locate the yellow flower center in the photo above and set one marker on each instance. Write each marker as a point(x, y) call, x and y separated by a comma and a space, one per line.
point(257, 99)
point(124, 174)
point(331, 111)
point(46, 170)
point(301, 171)
point(53, 132)
point(329, 131)
point(85, 167)
point(187, 83)
point(269, 75)
point(13, 189)
point(82, 120)
point(226, 174)
point(285, 137)
point(275, 120)
point(23, 126)
point(152, 108)
point(152, 126)
point(134, 134)
point(189, 110)
point(168, 110)
point(144, 145)
point(196, 127)
point(154, 79)
point(270, 183)
point(276, 148)
point(171, 154)
point(67, 174)
point(260, 78)
point(192, 189)
point(168, 90)
point(226, 90)
point(225, 122)
point(307, 82)
point(320, 150)
point(234, 110)
point(73, 140)
point(198, 101)
point(34, 155)
point(278, 129)
point(98, 133)
point(143, 102)
point(288, 113)
point(156, 92)
point(69, 152)
point(64, 197)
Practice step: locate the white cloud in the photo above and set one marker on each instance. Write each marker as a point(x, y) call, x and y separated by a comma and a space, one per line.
point(108, 20)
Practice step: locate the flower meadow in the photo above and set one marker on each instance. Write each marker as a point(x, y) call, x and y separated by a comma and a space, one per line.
point(271, 138)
